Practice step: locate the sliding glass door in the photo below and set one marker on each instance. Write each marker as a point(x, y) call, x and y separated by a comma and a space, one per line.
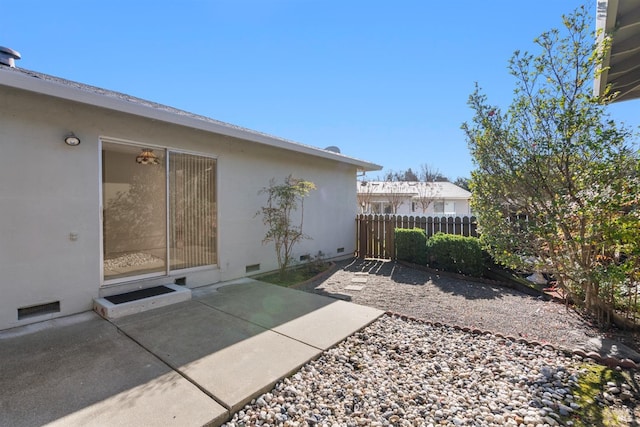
point(159, 211)
point(192, 210)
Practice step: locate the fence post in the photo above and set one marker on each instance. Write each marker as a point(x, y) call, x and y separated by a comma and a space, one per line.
point(363, 236)
point(473, 226)
point(375, 236)
point(370, 235)
point(389, 246)
point(466, 229)
point(422, 223)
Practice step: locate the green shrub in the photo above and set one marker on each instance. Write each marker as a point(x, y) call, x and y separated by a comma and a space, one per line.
point(411, 245)
point(457, 254)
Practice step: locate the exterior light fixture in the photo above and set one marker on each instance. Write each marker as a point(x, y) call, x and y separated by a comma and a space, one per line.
point(146, 157)
point(71, 140)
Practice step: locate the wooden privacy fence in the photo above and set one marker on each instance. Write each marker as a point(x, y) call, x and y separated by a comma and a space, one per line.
point(375, 233)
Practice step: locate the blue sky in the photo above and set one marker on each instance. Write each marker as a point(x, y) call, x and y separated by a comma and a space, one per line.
point(385, 81)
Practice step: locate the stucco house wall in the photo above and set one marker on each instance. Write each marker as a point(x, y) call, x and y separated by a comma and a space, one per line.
point(51, 206)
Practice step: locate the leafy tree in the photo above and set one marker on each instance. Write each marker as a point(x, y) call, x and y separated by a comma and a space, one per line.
point(402, 176)
point(390, 176)
point(426, 174)
point(431, 174)
point(556, 186)
point(463, 182)
point(282, 202)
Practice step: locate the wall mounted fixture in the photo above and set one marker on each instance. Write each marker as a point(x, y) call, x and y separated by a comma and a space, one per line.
point(71, 140)
point(146, 157)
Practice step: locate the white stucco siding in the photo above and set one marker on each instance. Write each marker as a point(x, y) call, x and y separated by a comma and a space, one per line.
point(329, 211)
point(50, 191)
point(47, 191)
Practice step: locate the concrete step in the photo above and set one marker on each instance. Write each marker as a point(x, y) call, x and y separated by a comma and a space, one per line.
point(115, 306)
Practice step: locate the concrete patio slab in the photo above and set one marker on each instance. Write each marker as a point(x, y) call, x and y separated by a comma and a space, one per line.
point(187, 331)
point(330, 324)
point(85, 373)
point(189, 364)
point(231, 359)
point(264, 304)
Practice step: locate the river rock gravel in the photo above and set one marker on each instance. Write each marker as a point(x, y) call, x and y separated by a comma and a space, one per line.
point(404, 372)
point(466, 356)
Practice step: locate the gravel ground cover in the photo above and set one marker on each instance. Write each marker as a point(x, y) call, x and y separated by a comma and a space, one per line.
point(440, 298)
point(399, 372)
point(426, 372)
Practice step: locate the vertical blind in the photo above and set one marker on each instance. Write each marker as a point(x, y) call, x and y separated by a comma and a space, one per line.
point(192, 211)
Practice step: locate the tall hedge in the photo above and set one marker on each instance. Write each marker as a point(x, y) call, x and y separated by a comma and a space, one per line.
point(411, 245)
point(457, 254)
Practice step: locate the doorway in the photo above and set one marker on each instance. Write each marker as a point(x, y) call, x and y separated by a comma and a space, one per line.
point(159, 211)
point(134, 212)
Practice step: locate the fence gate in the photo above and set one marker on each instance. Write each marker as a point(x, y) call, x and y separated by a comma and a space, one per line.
point(375, 236)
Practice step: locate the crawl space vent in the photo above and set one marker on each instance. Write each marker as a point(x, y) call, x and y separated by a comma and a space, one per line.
point(38, 310)
point(253, 267)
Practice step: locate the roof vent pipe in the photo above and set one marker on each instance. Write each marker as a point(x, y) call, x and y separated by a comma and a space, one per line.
point(8, 56)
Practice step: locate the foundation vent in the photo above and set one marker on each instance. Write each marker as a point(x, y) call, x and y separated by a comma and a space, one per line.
point(38, 310)
point(8, 57)
point(340, 250)
point(252, 268)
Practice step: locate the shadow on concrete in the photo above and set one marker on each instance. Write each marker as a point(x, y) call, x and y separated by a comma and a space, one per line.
point(190, 363)
point(59, 374)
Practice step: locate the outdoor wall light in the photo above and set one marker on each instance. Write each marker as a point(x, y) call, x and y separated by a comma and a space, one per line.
point(71, 140)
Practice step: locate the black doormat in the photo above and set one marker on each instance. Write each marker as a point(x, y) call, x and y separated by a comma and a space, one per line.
point(140, 294)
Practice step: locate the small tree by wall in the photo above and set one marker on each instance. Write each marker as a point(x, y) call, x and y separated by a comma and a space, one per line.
point(282, 202)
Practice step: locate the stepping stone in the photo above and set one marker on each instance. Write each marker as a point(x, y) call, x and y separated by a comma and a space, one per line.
point(353, 288)
point(359, 280)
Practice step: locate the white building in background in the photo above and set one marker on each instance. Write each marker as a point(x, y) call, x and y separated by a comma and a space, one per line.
point(413, 198)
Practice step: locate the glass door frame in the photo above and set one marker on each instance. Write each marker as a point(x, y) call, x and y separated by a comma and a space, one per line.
point(136, 277)
point(167, 153)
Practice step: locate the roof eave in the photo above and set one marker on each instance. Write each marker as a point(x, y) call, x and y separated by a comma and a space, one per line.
point(605, 22)
point(29, 83)
point(621, 65)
